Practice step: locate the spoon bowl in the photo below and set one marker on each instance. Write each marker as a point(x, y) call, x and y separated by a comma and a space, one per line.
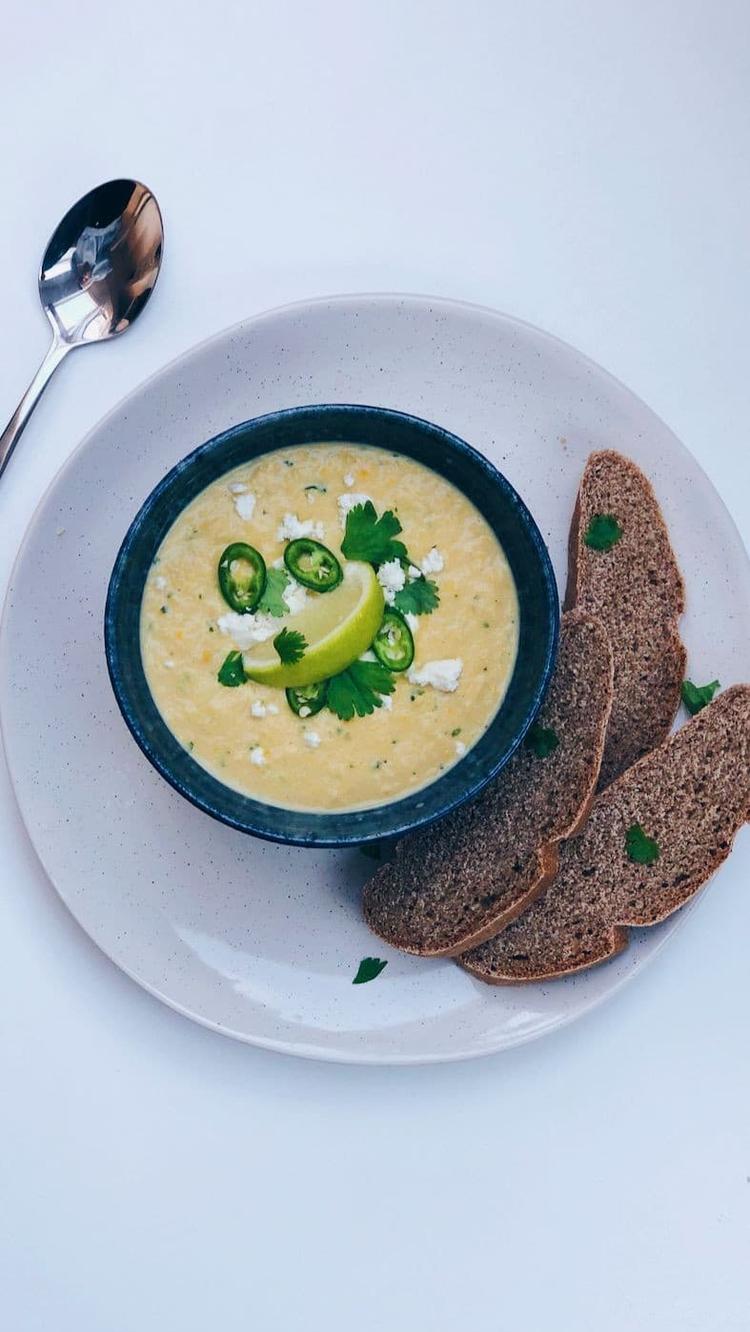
point(98, 272)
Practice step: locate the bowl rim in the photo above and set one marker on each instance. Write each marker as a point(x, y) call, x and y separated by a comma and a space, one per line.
point(318, 835)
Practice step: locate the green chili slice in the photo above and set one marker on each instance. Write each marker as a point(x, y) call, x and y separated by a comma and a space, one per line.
point(242, 576)
point(393, 644)
point(308, 699)
point(312, 564)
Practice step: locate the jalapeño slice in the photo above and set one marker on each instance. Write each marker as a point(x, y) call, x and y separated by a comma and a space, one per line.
point(312, 564)
point(308, 699)
point(393, 644)
point(242, 576)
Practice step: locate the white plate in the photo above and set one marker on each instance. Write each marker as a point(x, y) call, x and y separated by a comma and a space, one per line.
point(259, 941)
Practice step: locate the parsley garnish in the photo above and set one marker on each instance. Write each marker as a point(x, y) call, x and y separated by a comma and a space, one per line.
point(357, 689)
point(603, 532)
point(231, 671)
point(640, 848)
point(370, 538)
point(368, 969)
point(542, 739)
point(696, 697)
point(272, 602)
point(419, 597)
point(290, 645)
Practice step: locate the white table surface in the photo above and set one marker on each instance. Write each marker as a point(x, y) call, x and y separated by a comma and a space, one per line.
point(583, 165)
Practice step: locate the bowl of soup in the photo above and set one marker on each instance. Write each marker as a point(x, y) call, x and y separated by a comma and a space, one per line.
point(331, 625)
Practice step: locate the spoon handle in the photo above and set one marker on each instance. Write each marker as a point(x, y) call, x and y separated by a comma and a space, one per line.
point(57, 351)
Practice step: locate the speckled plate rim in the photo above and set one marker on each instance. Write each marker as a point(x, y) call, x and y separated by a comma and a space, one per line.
point(660, 934)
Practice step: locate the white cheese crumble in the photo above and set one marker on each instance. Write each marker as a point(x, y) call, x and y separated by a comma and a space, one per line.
point(237, 488)
point(257, 756)
point(271, 709)
point(369, 655)
point(258, 708)
point(245, 630)
point(169, 664)
point(294, 597)
point(347, 502)
point(291, 528)
point(414, 572)
point(412, 621)
point(348, 479)
point(386, 702)
point(160, 582)
point(460, 748)
point(433, 562)
point(245, 505)
point(391, 578)
point(443, 675)
point(279, 563)
point(312, 739)
point(305, 711)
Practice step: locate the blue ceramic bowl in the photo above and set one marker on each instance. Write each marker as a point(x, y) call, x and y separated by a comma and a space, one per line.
point(506, 514)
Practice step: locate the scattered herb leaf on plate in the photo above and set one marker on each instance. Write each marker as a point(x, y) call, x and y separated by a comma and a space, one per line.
point(641, 848)
point(368, 969)
point(603, 532)
point(696, 697)
point(542, 739)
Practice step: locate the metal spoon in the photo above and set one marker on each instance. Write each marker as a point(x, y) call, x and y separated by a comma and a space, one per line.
point(98, 271)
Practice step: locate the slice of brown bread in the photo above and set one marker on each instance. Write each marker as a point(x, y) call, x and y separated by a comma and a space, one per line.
point(636, 590)
point(691, 795)
point(460, 881)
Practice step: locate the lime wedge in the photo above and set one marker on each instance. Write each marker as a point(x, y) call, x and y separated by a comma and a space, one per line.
point(338, 627)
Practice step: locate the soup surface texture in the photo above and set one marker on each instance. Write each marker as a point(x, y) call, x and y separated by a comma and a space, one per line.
point(249, 737)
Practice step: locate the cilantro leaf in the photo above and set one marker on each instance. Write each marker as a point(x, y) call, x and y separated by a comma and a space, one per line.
point(696, 697)
point(542, 739)
point(641, 849)
point(290, 645)
point(231, 671)
point(603, 532)
point(370, 538)
point(419, 597)
point(357, 689)
point(272, 602)
point(368, 969)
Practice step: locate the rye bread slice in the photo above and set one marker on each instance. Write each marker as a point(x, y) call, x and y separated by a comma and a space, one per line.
point(691, 795)
point(636, 590)
point(460, 881)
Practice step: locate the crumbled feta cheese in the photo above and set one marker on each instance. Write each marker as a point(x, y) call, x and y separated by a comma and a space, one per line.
point(245, 505)
point(369, 655)
point(279, 563)
point(294, 597)
point(169, 664)
point(460, 748)
point(258, 708)
point(412, 621)
point(312, 739)
point(414, 572)
point(271, 709)
point(291, 528)
point(433, 562)
point(257, 756)
point(391, 578)
point(386, 702)
point(348, 479)
point(160, 582)
point(443, 675)
point(350, 501)
point(245, 630)
point(237, 488)
point(305, 711)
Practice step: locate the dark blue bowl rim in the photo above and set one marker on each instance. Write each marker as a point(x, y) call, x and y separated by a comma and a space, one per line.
point(266, 821)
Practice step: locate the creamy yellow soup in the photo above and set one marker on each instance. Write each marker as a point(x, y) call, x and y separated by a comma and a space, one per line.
point(248, 737)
